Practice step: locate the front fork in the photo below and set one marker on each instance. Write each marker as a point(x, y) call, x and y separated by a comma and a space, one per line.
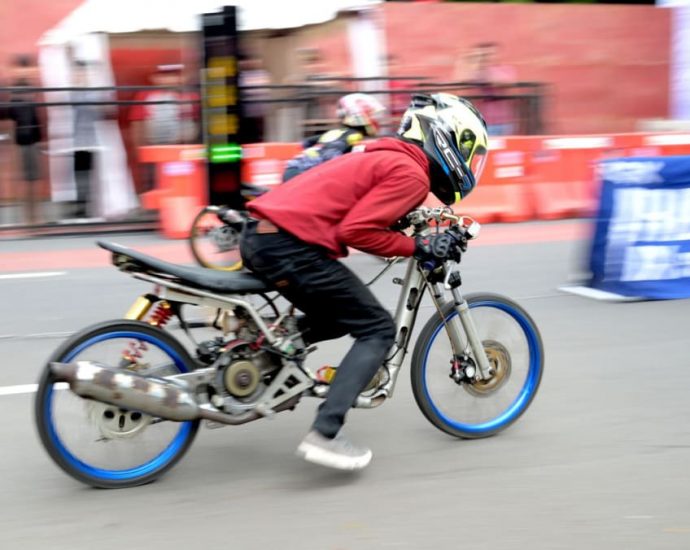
point(466, 324)
point(463, 309)
point(411, 294)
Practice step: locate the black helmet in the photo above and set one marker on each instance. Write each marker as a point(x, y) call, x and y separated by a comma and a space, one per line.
point(453, 134)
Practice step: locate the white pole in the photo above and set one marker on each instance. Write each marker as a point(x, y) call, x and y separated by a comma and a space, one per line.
point(679, 70)
point(367, 46)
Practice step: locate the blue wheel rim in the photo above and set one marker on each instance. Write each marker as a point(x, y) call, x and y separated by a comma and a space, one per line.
point(156, 463)
point(527, 390)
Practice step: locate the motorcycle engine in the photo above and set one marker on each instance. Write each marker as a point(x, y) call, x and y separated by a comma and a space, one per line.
point(242, 377)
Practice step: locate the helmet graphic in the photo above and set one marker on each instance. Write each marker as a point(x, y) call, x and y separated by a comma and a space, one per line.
point(452, 133)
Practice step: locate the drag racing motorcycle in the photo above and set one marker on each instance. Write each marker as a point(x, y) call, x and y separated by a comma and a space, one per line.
point(120, 402)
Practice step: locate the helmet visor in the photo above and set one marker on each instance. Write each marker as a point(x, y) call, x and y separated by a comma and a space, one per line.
point(478, 162)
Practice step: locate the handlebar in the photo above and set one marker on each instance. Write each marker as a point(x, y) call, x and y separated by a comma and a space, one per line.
point(420, 217)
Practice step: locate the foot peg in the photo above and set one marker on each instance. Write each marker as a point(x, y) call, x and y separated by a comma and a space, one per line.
point(265, 411)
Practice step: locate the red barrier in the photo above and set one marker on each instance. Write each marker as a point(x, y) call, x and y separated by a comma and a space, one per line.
point(566, 183)
point(564, 171)
point(665, 143)
point(504, 193)
point(264, 163)
point(530, 177)
point(533, 177)
point(498, 203)
point(181, 189)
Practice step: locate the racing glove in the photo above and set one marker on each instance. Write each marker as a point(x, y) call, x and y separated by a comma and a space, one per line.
point(437, 248)
point(459, 235)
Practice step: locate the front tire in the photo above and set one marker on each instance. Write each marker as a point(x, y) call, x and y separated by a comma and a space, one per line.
point(103, 445)
point(511, 340)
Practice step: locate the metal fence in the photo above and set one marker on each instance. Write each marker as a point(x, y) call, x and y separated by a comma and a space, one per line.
point(521, 102)
point(289, 113)
point(518, 107)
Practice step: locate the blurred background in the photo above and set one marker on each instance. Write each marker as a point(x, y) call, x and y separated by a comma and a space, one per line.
point(102, 103)
point(127, 117)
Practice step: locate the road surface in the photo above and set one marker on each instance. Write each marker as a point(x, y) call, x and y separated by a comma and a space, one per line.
point(600, 460)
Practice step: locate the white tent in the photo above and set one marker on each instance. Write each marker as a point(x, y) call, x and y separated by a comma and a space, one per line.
point(84, 35)
point(125, 16)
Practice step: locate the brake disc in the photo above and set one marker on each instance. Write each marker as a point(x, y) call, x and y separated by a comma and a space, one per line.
point(499, 361)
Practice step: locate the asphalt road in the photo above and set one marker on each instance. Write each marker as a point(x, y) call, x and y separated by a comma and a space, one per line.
point(600, 460)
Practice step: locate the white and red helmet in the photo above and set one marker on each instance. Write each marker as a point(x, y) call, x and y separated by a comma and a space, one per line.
point(361, 111)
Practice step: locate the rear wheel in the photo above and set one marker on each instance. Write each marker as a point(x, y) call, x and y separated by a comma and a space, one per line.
point(104, 445)
point(215, 243)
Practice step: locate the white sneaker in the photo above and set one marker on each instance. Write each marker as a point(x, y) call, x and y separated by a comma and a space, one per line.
point(336, 453)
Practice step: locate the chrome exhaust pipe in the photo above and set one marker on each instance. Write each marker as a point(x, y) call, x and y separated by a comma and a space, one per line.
point(153, 396)
point(362, 402)
point(128, 390)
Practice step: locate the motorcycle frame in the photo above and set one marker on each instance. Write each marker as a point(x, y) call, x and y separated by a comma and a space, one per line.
point(414, 285)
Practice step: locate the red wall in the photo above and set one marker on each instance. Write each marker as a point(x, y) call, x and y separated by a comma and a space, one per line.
point(607, 66)
point(22, 22)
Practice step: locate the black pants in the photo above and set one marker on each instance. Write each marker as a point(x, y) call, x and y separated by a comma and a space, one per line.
point(335, 302)
point(83, 168)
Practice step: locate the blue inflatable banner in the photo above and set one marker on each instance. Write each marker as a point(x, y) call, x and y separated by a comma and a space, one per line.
point(641, 245)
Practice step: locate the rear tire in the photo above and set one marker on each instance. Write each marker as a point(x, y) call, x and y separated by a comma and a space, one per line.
point(77, 459)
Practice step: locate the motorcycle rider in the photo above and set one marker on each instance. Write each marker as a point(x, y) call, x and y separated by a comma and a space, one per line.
point(360, 117)
point(298, 232)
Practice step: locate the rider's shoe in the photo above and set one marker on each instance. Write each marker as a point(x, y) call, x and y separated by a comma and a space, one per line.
point(336, 453)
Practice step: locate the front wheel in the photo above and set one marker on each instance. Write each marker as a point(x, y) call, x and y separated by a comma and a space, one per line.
point(104, 445)
point(475, 409)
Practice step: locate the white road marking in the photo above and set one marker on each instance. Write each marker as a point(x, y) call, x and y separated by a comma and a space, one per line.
point(27, 388)
point(16, 390)
point(33, 275)
point(36, 336)
point(597, 294)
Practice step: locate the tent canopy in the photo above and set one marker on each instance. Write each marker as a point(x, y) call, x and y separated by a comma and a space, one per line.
point(126, 16)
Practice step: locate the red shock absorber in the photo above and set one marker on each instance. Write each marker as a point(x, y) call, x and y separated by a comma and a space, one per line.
point(161, 315)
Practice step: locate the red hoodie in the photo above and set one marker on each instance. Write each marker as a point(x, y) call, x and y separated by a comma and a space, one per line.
point(352, 200)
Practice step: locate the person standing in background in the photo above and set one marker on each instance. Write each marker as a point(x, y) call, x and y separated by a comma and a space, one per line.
point(170, 123)
point(482, 68)
point(28, 132)
point(399, 101)
point(253, 79)
point(86, 116)
point(321, 78)
point(308, 76)
point(164, 123)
